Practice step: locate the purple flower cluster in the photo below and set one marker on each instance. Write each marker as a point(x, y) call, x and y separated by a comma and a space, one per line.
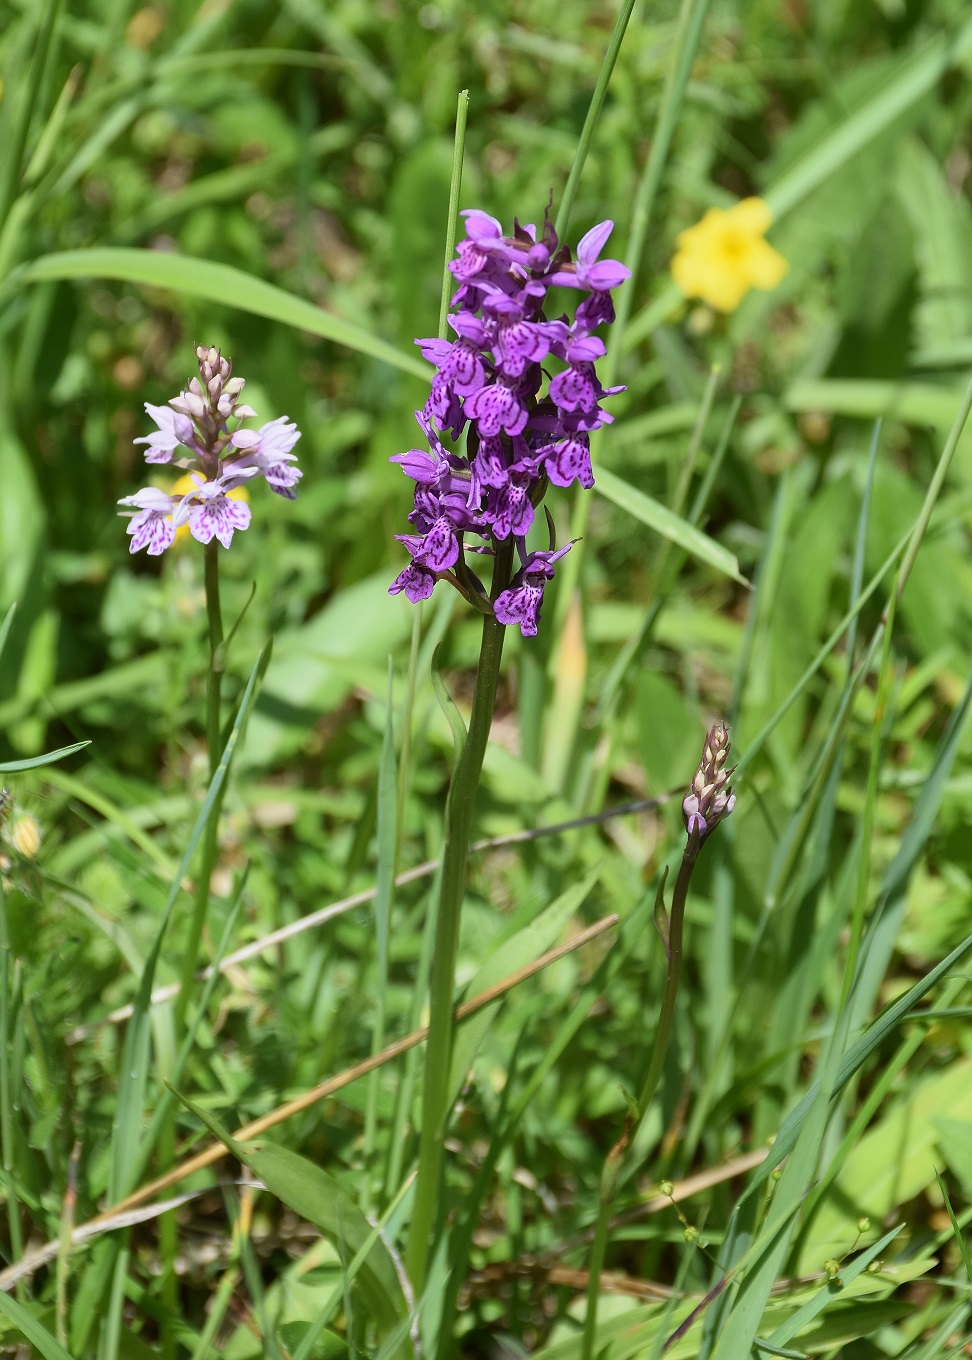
point(488, 385)
point(194, 432)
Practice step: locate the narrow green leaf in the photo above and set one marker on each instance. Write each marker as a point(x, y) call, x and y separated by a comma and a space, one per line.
point(815, 1306)
point(127, 1127)
point(448, 706)
point(963, 1246)
point(853, 1060)
point(216, 283)
point(384, 897)
point(919, 74)
point(671, 526)
point(5, 627)
point(16, 766)
point(35, 1333)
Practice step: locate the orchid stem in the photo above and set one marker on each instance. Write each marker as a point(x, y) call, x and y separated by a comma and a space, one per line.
point(460, 807)
point(210, 849)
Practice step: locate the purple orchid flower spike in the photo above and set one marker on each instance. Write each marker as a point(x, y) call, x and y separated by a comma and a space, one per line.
point(524, 429)
point(202, 430)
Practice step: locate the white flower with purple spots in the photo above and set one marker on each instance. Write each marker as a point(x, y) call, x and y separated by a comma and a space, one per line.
point(152, 526)
point(212, 514)
point(205, 423)
point(175, 431)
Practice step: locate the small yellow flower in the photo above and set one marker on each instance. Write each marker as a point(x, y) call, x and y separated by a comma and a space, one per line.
point(25, 836)
point(185, 484)
point(726, 254)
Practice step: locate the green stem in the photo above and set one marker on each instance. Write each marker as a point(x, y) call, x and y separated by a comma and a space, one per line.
point(673, 976)
point(6, 1093)
point(458, 826)
point(617, 1160)
point(690, 20)
point(210, 849)
point(593, 116)
point(462, 110)
point(214, 680)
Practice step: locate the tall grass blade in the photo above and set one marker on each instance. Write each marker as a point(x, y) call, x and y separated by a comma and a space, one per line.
point(215, 282)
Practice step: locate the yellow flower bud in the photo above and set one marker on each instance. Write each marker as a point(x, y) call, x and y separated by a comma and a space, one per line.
point(25, 836)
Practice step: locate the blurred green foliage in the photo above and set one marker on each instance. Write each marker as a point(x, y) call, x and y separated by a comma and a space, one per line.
point(309, 144)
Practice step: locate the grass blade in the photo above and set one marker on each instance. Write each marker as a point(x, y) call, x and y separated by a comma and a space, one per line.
point(216, 283)
point(665, 522)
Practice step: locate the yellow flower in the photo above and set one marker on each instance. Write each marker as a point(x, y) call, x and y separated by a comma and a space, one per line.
point(184, 484)
point(726, 254)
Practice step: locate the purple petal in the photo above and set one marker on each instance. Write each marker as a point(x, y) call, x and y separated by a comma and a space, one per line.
point(416, 581)
point(606, 274)
point(570, 461)
point(520, 605)
point(151, 530)
point(218, 517)
point(590, 245)
point(440, 547)
point(496, 408)
point(417, 464)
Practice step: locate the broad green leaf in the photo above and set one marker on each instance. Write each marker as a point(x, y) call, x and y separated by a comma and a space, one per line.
point(911, 402)
point(659, 518)
point(216, 283)
point(360, 624)
point(892, 1163)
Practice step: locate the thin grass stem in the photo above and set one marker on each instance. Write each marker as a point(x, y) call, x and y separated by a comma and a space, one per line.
point(455, 188)
point(593, 117)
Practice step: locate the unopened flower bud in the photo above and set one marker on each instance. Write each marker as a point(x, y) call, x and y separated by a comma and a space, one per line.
point(196, 387)
point(875, 1268)
point(25, 836)
point(832, 1267)
point(215, 386)
point(709, 798)
point(234, 386)
point(863, 1225)
point(188, 404)
point(666, 1188)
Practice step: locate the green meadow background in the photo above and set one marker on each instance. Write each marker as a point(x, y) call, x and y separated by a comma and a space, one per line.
point(273, 178)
